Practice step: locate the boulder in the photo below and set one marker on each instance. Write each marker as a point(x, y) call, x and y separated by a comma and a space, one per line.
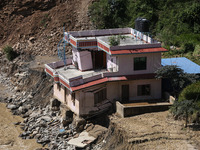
point(79, 123)
point(12, 106)
point(46, 118)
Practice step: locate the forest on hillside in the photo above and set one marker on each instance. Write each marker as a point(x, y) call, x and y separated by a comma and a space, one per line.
point(175, 23)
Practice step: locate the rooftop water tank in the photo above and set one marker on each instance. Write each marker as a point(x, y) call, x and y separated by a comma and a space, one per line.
point(142, 24)
point(137, 23)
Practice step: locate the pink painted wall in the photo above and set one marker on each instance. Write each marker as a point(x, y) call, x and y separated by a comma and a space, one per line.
point(66, 98)
point(83, 58)
point(86, 60)
point(59, 93)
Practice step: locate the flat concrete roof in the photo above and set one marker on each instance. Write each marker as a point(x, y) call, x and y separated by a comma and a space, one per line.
point(128, 40)
point(72, 72)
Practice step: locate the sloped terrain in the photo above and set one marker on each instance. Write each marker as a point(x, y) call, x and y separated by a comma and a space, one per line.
point(153, 131)
point(36, 26)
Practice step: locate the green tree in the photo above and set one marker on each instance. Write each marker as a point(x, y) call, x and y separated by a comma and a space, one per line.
point(176, 76)
point(184, 109)
point(109, 13)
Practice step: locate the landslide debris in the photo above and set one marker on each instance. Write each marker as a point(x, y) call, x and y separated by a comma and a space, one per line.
point(35, 26)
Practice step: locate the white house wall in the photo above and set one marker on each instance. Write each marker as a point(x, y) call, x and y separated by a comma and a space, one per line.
point(155, 89)
point(126, 63)
point(114, 93)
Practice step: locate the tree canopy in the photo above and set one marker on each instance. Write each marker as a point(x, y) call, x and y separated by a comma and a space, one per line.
point(176, 76)
point(172, 22)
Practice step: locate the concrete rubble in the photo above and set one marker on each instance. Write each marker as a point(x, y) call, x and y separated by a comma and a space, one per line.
point(82, 140)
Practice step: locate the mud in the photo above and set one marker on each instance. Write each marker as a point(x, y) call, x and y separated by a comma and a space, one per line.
point(9, 132)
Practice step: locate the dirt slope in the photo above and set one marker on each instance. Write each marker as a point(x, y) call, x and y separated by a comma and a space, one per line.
point(36, 25)
point(152, 131)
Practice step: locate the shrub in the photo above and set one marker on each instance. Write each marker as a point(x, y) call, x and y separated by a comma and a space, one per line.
point(188, 47)
point(184, 109)
point(176, 76)
point(45, 20)
point(114, 40)
point(196, 50)
point(191, 92)
point(188, 104)
point(10, 53)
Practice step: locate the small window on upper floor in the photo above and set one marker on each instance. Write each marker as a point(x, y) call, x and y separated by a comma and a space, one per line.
point(140, 63)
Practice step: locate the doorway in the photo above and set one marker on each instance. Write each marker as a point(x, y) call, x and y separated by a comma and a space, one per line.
point(125, 93)
point(99, 59)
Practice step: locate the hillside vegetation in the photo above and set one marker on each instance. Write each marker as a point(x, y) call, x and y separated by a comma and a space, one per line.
point(175, 23)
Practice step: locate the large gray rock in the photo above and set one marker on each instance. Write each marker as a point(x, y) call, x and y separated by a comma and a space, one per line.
point(12, 106)
point(46, 118)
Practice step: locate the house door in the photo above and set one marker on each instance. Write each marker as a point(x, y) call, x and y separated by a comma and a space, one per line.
point(99, 59)
point(125, 93)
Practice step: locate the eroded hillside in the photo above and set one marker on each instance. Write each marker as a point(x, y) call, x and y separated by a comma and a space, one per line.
point(35, 26)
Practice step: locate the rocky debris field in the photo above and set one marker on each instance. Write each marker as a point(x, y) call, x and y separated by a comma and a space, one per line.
point(28, 94)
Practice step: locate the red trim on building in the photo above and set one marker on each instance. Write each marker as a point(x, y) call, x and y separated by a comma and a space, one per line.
point(103, 47)
point(121, 78)
point(49, 72)
point(89, 84)
point(73, 42)
point(56, 79)
point(87, 44)
point(135, 51)
point(64, 83)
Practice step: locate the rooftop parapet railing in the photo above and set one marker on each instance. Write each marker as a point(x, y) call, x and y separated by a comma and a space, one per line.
point(100, 39)
point(58, 64)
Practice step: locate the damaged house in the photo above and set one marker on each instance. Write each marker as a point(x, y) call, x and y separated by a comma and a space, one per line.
point(106, 66)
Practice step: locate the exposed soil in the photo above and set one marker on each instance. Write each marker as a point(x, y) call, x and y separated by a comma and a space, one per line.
point(152, 131)
point(36, 26)
point(9, 132)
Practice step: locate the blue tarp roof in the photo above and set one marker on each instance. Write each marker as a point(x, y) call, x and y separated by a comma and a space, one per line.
point(187, 65)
